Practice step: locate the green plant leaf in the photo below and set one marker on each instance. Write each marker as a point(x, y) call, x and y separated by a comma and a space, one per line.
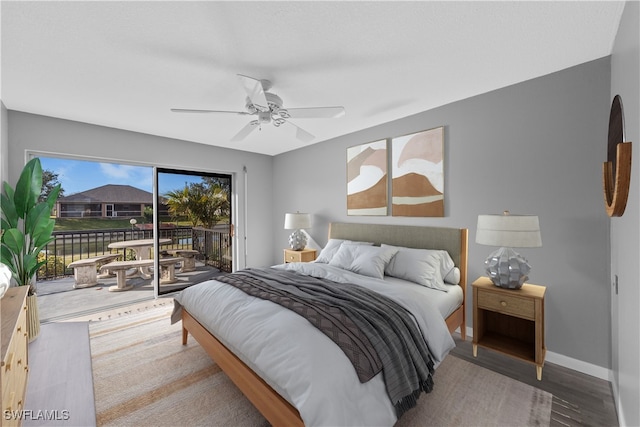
point(8, 190)
point(14, 240)
point(7, 258)
point(28, 187)
point(9, 214)
point(27, 224)
point(42, 235)
point(30, 266)
point(43, 246)
point(38, 222)
point(4, 225)
point(53, 196)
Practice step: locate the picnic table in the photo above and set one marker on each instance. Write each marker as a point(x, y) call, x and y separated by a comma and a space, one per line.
point(142, 249)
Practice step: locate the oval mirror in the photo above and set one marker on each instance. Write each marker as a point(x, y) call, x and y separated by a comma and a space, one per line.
point(617, 168)
point(616, 131)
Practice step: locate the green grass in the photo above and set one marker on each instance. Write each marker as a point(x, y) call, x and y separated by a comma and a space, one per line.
point(75, 224)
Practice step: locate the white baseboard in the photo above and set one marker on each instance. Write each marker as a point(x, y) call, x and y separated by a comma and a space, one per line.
point(579, 365)
point(571, 363)
point(615, 388)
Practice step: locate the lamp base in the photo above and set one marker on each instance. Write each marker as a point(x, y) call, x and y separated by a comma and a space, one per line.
point(297, 240)
point(507, 269)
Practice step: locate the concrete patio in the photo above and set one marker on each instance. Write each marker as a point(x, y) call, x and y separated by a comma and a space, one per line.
point(58, 300)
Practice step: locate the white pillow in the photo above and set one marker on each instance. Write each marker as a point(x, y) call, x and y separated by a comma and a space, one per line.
point(453, 277)
point(329, 251)
point(448, 268)
point(332, 247)
point(425, 267)
point(363, 259)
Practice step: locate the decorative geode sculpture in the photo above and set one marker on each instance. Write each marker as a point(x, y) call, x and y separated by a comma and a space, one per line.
point(297, 240)
point(507, 269)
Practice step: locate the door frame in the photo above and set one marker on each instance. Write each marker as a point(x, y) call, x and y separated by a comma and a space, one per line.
point(232, 211)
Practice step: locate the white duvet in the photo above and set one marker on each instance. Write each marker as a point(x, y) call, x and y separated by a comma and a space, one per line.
point(297, 360)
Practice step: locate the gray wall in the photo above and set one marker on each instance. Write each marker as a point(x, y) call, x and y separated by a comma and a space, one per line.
point(4, 143)
point(28, 132)
point(536, 147)
point(625, 231)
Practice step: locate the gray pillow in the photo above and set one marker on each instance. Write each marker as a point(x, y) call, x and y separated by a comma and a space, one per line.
point(363, 259)
point(426, 267)
point(332, 247)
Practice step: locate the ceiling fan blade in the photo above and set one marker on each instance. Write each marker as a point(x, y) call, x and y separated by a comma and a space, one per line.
point(187, 110)
point(255, 92)
point(246, 130)
point(316, 112)
point(301, 134)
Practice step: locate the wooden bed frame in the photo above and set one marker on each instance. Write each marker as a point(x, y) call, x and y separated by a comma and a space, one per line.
point(274, 407)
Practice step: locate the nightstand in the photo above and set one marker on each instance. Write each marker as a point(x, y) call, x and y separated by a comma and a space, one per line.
point(510, 321)
point(304, 255)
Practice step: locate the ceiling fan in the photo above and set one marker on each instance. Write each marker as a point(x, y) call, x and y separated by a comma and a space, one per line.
point(267, 107)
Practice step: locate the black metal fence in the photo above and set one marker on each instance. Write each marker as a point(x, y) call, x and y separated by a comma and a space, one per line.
point(68, 246)
point(215, 245)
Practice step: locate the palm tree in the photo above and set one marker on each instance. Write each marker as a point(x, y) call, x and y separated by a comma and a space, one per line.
point(179, 202)
point(200, 203)
point(215, 206)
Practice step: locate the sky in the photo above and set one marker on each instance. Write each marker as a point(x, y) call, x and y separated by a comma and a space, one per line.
point(81, 175)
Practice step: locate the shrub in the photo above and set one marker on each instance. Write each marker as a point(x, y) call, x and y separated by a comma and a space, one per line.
point(53, 264)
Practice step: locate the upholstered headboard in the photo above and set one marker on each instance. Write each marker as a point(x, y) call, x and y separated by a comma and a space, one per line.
point(453, 240)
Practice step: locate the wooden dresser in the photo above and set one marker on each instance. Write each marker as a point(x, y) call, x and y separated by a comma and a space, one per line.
point(14, 354)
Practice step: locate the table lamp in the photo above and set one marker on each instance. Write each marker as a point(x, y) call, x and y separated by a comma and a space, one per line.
point(505, 267)
point(297, 221)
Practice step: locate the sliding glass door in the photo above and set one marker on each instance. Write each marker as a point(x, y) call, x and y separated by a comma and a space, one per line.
point(193, 227)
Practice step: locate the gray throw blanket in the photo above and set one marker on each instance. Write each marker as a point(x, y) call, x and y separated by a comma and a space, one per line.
point(356, 319)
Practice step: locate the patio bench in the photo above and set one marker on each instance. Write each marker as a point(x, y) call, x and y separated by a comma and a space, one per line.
point(189, 255)
point(85, 270)
point(167, 271)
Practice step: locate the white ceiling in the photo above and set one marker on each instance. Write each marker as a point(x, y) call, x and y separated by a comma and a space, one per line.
point(125, 64)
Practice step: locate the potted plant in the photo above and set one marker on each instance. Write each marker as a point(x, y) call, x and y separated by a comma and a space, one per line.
point(26, 230)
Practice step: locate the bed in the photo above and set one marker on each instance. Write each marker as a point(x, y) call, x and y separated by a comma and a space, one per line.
point(293, 375)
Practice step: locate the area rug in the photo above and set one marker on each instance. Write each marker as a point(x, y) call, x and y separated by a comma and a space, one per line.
point(143, 376)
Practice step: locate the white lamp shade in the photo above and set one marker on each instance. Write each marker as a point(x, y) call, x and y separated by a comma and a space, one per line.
point(513, 231)
point(295, 221)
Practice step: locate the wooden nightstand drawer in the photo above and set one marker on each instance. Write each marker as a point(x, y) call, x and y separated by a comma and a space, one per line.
point(305, 255)
point(507, 304)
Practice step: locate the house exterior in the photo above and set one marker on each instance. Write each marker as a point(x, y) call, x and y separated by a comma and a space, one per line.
point(107, 201)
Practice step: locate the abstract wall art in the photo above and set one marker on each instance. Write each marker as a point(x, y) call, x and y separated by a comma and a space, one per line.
point(417, 174)
point(367, 179)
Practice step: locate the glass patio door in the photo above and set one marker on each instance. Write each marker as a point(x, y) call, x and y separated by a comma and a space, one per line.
point(193, 222)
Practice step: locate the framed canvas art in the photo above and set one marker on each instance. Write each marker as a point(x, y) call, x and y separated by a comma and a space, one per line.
point(417, 174)
point(367, 179)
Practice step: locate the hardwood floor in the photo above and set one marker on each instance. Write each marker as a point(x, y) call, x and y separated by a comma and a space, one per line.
point(578, 399)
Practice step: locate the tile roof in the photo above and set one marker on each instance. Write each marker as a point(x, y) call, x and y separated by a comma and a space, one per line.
point(111, 193)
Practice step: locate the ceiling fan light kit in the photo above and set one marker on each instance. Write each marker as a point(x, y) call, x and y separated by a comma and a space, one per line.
point(267, 106)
